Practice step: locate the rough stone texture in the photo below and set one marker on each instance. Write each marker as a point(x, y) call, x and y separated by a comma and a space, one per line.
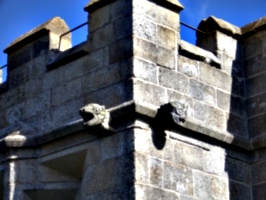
point(136, 66)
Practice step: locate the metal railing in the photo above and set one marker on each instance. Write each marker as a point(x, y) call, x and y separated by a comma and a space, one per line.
point(72, 30)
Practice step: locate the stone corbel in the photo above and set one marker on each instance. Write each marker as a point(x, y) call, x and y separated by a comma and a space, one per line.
point(95, 115)
point(172, 112)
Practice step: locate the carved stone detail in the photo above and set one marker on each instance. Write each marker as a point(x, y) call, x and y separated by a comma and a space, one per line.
point(15, 139)
point(179, 112)
point(95, 114)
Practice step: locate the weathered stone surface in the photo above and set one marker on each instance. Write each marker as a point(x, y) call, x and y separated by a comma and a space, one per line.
point(144, 29)
point(173, 80)
point(209, 116)
point(178, 178)
point(210, 187)
point(166, 37)
point(145, 70)
point(239, 191)
point(146, 192)
point(149, 93)
point(202, 92)
point(188, 155)
point(255, 85)
point(254, 65)
point(236, 125)
point(256, 105)
point(256, 125)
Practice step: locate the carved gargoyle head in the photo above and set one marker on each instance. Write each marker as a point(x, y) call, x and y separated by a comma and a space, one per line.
point(93, 114)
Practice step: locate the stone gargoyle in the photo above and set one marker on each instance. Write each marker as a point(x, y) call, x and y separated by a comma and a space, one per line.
point(95, 115)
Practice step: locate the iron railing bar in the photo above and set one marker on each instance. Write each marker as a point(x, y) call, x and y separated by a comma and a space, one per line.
point(4, 66)
point(81, 25)
point(195, 29)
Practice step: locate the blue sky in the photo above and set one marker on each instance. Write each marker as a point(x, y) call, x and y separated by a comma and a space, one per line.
point(20, 16)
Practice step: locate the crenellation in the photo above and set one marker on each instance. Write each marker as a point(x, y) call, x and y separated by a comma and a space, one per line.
point(181, 121)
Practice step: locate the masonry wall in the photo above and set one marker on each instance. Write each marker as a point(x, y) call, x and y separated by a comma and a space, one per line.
point(186, 122)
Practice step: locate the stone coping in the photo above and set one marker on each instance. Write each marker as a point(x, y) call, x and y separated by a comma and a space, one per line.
point(148, 114)
point(55, 25)
point(254, 27)
point(215, 24)
point(197, 53)
point(170, 4)
point(69, 55)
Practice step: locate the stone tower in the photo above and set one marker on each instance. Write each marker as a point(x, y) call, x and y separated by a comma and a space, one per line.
point(135, 112)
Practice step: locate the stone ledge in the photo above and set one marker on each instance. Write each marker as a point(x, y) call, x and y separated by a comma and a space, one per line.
point(254, 27)
point(173, 5)
point(130, 111)
point(55, 25)
point(69, 55)
point(198, 53)
point(214, 24)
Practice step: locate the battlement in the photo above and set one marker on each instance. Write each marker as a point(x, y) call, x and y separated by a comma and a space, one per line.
point(180, 117)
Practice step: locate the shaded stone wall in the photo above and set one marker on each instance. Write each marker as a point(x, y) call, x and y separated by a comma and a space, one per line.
point(180, 121)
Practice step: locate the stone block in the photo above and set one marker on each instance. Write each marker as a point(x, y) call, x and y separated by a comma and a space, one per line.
point(178, 178)
point(66, 113)
point(106, 76)
point(117, 193)
point(12, 97)
point(52, 79)
point(214, 163)
point(258, 191)
point(120, 50)
point(146, 192)
point(156, 172)
point(66, 92)
point(145, 70)
point(210, 187)
point(236, 125)
point(189, 70)
point(144, 29)
point(202, 92)
point(168, 153)
point(113, 146)
point(141, 168)
point(259, 172)
point(254, 65)
point(37, 105)
point(239, 191)
point(114, 173)
point(120, 9)
point(173, 80)
point(230, 65)
point(255, 85)
point(19, 76)
point(33, 87)
point(230, 103)
point(144, 144)
point(257, 125)
point(166, 37)
point(99, 18)
point(123, 27)
point(239, 171)
point(144, 49)
point(16, 113)
point(101, 37)
point(149, 93)
point(26, 172)
point(256, 105)
point(166, 58)
point(157, 14)
point(209, 116)
point(20, 57)
point(252, 46)
point(38, 67)
point(215, 77)
point(83, 65)
point(226, 44)
point(188, 155)
point(111, 96)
